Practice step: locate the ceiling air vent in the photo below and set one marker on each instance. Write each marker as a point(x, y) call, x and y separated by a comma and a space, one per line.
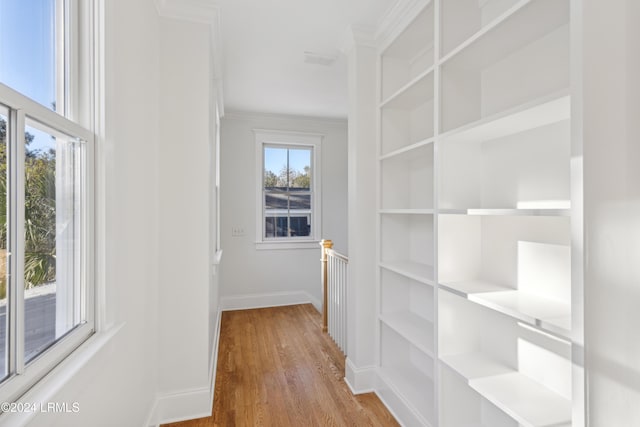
point(319, 59)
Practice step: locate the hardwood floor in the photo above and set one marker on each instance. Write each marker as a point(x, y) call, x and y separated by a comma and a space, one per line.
point(276, 368)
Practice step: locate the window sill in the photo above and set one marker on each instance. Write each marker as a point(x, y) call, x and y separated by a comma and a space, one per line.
point(288, 244)
point(45, 390)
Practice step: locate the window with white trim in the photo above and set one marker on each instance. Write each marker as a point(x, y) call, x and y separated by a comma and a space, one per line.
point(46, 187)
point(288, 189)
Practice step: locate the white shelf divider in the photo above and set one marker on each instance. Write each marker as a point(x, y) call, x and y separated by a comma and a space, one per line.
point(414, 387)
point(526, 401)
point(548, 314)
point(507, 212)
point(539, 112)
point(417, 91)
point(419, 272)
point(407, 149)
point(545, 313)
point(514, 393)
point(471, 366)
point(413, 328)
point(470, 287)
point(517, 27)
point(406, 211)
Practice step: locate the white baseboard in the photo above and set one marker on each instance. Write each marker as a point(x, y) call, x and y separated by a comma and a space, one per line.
point(181, 405)
point(213, 360)
point(271, 299)
point(359, 380)
point(188, 404)
point(399, 407)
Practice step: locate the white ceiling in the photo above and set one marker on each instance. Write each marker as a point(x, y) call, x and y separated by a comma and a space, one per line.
point(263, 45)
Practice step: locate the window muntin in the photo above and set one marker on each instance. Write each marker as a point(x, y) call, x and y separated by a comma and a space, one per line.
point(288, 189)
point(288, 193)
point(4, 308)
point(53, 193)
point(51, 153)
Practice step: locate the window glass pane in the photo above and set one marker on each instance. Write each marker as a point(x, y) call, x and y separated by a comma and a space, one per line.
point(300, 168)
point(28, 48)
point(287, 195)
point(53, 190)
point(276, 226)
point(279, 201)
point(4, 350)
point(275, 168)
point(300, 225)
point(299, 202)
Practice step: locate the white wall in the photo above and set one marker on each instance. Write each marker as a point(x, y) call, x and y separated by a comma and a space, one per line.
point(183, 184)
point(361, 327)
point(155, 165)
point(246, 270)
point(612, 210)
point(117, 386)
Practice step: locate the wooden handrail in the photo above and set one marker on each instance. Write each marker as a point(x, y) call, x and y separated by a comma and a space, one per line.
point(326, 245)
point(338, 255)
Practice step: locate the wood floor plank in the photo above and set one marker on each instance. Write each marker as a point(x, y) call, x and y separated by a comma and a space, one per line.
point(276, 368)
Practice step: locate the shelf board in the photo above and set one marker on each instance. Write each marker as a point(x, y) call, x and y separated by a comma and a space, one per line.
point(412, 39)
point(549, 314)
point(474, 365)
point(507, 212)
point(526, 401)
point(415, 329)
point(539, 112)
point(512, 392)
point(414, 270)
point(417, 91)
point(406, 211)
point(525, 22)
point(470, 287)
point(413, 386)
point(407, 149)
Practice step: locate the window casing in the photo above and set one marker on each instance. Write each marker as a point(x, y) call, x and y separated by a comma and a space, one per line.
point(47, 218)
point(287, 189)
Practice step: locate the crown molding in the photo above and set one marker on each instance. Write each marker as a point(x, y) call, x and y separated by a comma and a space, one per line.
point(284, 118)
point(359, 35)
point(205, 12)
point(202, 11)
point(397, 18)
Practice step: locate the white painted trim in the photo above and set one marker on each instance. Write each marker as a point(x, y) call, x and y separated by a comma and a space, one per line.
point(203, 12)
point(397, 19)
point(339, 122)
point(294, 133)
point(264, 137)
point(394, 414)
point(356, 35)
point(46, 390)
point(359, 380)
point(215, 265)
point(397, 405)
point(188, 404)
point(179, 406)
point(271, 299)
point(276, 245)
point(213, 360)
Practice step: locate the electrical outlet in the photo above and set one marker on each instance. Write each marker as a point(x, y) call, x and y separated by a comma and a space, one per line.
point(237, 231)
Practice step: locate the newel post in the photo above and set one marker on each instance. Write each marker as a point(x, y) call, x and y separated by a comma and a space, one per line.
point(326, 244)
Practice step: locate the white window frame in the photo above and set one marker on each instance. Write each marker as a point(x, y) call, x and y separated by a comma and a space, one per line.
point(289, 139)
point(75, 100)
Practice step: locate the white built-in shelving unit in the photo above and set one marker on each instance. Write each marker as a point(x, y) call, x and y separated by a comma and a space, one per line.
point(476, 226)
point(406, 222)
